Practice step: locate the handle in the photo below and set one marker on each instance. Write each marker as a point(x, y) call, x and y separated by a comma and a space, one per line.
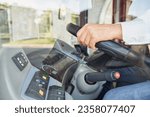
point(73, 29)
point(93, 77)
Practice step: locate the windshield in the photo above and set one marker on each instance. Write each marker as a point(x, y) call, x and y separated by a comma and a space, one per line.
point(38, 23)
point(34, 22)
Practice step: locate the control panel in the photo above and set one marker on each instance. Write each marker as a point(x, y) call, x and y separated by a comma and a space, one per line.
point(38, 86)
point(50, 70)
point(20, 60)
point(56, 93)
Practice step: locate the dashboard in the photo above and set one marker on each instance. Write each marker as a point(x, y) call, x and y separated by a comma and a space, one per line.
point(57, 63)
point(20, 80)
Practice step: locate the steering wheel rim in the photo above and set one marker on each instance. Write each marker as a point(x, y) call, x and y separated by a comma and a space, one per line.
point(110, 47)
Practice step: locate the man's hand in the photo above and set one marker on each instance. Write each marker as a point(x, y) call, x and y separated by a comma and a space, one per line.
point(90, 34)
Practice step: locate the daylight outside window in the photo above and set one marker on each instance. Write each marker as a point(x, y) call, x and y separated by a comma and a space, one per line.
point(32, 23)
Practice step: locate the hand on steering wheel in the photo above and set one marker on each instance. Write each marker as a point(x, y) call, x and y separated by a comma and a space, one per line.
point(90, 34)
point(110, 47)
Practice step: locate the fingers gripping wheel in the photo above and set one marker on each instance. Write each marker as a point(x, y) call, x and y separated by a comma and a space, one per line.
point(110, 47)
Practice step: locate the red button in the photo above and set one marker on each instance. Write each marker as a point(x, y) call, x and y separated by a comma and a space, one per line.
point(117, 75)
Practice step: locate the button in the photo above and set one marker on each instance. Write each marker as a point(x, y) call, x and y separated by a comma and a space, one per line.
point(43, 83)
point(22, 55)
point(59, 93)
point(22, 64)
point(44, 77)
point(38, 80)
point(18, 58)
point(40, 85)
point(117, 75)
point(41, 92)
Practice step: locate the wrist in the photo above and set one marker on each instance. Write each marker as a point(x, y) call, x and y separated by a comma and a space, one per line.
point(116, 31)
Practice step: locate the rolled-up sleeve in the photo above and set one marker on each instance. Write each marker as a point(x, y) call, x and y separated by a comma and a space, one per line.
point(137, 31)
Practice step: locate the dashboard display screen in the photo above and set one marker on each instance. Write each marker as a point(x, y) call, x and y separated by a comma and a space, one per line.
point(58, 63)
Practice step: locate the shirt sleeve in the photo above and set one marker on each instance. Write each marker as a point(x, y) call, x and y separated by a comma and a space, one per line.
point(137, 31)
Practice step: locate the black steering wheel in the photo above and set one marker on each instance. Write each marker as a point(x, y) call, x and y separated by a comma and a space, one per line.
point(119, 51)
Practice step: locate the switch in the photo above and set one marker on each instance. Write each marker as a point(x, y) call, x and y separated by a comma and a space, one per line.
point(38, 80)
point(41, 92)
point(44, 77)
point(22, 64)
point(40, 85)
point(56, 93)
point(43, 83)
point(18, 58)
point(59, 93)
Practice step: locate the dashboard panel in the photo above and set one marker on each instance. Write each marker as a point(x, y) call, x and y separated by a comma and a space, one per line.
point(57, 63)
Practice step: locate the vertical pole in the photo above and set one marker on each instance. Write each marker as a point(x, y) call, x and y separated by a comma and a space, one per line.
point(119, 11)
point(123, 4)
point(83, 18)
point(83, 21)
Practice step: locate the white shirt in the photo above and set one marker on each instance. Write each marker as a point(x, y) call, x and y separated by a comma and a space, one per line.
point(137, 31)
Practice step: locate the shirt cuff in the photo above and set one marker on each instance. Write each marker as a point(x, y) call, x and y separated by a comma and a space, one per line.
point(135, 32)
